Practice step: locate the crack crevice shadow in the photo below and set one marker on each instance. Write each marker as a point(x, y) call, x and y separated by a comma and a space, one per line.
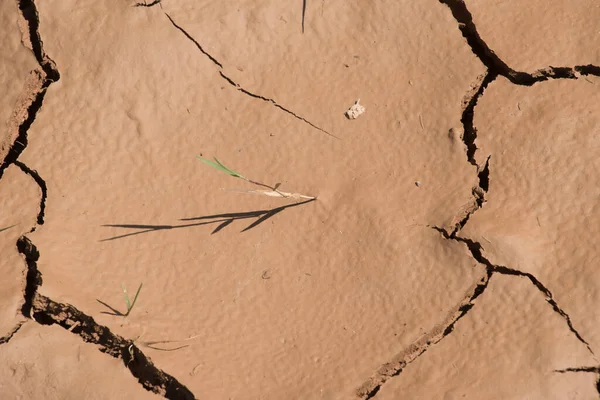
point(222, 219)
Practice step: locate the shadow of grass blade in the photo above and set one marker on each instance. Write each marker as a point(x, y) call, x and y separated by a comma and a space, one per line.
point(8, 227)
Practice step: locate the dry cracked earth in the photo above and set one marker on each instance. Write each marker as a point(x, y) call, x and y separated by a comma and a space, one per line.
point(450, 253)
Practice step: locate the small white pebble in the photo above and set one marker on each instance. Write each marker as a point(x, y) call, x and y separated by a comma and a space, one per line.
point(355, 111)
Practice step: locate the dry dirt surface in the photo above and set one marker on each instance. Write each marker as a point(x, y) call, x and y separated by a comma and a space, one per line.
point(449, 252)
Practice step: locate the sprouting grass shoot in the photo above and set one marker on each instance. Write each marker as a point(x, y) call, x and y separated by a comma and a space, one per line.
point(273, 190)
point(129, 303)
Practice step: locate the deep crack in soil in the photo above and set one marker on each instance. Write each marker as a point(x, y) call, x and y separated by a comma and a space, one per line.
point(46, 311)
point(33, 277)
point(495, 67)
point(42, 184)
point(39, 80)
point(36, 306)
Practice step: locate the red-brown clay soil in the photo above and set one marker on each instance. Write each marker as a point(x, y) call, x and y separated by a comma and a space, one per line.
point(450, 252)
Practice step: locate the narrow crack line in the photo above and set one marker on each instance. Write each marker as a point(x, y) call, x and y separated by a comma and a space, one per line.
point(495, 64)
point(370, 388)
point(549, 299)
point(595, 369)
point(6, 338)
point(256, 96)
point(187, 35)
point(42, 184)
point(477, 252)
point(478, 192)
point(303, 13)
point(238, 86)
point(144, 4)
point(48, 312)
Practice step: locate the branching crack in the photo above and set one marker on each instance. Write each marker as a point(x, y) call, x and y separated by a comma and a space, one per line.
point(477, 252)
point(371, 387)
point(238, 86)
point(549, 299)
point(495, 65)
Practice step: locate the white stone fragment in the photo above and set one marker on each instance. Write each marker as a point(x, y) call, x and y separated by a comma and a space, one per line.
point(354, 111)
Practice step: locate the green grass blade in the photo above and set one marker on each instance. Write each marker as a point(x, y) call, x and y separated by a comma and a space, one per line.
point(218, 165)
point(136, 296)
point(229, 171)
point(126, 298)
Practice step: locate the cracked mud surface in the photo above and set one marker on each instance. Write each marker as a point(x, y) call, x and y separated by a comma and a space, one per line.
point(477, 282)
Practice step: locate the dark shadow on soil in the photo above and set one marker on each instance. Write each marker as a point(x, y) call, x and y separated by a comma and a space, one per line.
point(114, 311)
point(222, 219)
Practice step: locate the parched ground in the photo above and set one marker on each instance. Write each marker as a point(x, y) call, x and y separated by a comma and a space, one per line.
point(450, 252)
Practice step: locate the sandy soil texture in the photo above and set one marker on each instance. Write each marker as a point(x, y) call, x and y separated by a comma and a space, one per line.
point(449, 251)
